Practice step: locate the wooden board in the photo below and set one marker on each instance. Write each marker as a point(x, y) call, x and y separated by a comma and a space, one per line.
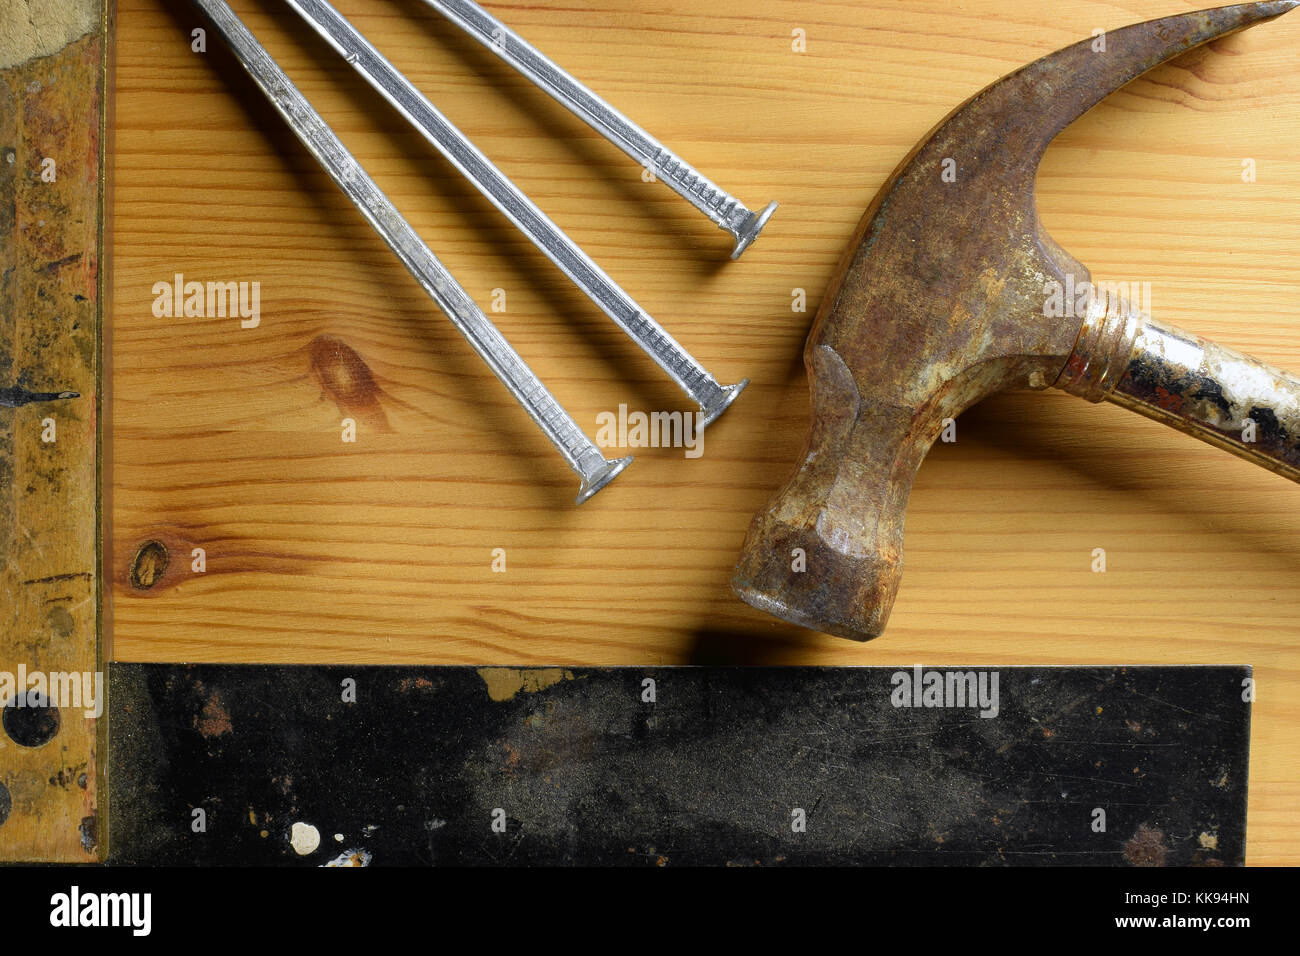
point(228, 439)
point(52, 73)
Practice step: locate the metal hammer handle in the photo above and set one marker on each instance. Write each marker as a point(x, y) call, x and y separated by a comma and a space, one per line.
point(1215, 393)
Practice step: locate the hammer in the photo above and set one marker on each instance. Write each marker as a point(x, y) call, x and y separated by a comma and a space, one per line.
point(949, 294)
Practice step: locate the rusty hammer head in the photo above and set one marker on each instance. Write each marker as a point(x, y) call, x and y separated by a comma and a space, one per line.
point(938, 303)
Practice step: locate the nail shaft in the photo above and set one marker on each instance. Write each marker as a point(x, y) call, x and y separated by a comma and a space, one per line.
point(725, 210)
point(681, 367)
point(580, 453)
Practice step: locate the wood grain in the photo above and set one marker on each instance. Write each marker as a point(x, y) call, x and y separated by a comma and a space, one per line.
point(50, 272)
point(228, 439)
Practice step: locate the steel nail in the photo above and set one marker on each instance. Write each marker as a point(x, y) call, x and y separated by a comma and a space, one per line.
point(576, 448)
point(728, 212)
point(712, 398)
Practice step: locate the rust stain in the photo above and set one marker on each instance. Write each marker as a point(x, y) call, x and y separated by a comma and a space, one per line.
point(1168, 400)
point(344, 376)
point(503, 683)
point(512, 757)
point(351, 858)
point(1146, 847)
point(215, 719)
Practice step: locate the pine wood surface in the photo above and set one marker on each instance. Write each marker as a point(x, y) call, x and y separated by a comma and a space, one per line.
point(381, 551)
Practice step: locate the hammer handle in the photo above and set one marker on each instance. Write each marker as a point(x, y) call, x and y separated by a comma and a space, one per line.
point(1215, 393)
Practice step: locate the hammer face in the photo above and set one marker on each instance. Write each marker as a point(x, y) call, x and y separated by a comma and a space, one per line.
point(825, 555)
point(828, 552)
point(852, 599)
